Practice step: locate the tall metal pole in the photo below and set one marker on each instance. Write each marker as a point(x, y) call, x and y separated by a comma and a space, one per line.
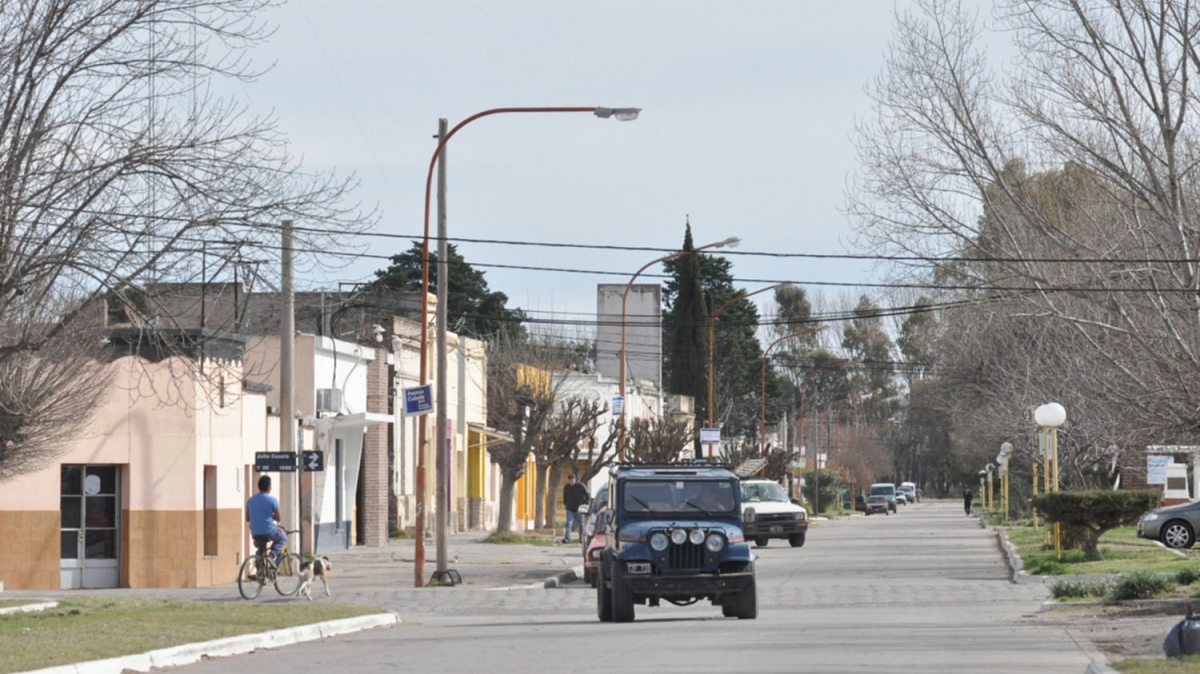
point(443, 285)
point(287, 360)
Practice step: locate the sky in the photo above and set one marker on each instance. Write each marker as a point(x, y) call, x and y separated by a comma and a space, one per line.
point(747, 129)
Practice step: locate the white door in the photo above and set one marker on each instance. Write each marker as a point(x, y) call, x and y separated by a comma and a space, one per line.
point(90, 526)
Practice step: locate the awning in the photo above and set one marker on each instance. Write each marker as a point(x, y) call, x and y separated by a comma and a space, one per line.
point(490, 433)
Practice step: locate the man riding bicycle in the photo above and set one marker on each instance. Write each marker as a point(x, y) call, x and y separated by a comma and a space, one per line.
point(262, 513)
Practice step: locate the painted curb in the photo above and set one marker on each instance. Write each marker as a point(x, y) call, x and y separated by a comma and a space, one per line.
point(188, 654)
point(29, 608)
point(568, 576)
point(1016, 567)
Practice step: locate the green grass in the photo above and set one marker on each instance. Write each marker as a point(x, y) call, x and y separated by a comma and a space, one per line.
point(95, 628)
point(1122, 551)
point(1067, 590)
point(1187, 665)
point(513, 538)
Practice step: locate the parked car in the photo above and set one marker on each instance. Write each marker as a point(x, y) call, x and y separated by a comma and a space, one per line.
point(591, 515)
point(901, 498)
point(878, 504)
point(885, 489)
point(593, 537)
point(1175, 525)
point(674, 533)
point(774, 515)
point(909, 489)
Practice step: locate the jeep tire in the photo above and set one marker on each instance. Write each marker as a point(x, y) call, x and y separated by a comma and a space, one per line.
point(622, 596)
point(746, 602)
point(796, 540)
point(603, 598)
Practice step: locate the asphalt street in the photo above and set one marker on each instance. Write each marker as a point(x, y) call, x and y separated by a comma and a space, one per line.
point(924, 590)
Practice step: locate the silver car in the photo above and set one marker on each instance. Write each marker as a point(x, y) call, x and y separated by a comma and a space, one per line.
point(1175, 525)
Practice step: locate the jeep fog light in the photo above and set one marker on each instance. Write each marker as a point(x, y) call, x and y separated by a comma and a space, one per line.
point(658, 542)
point(679, 537)
point(714, 543)
point(696, 536)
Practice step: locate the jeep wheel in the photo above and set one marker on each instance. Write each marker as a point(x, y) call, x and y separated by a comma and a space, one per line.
point(797, 540)
point(747, 603)
point(762, 541)
point(603, 598)
point(622, 596)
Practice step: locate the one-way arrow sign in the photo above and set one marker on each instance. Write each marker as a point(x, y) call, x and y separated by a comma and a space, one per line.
point(314, 461)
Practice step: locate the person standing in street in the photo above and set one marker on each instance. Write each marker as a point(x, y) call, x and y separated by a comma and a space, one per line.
point(574, 495)
point(967, 501)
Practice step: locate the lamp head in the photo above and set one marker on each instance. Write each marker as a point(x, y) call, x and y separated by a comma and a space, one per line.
point(731, 242)
point(1052, 415)
point(622, 114)
point(378, 330)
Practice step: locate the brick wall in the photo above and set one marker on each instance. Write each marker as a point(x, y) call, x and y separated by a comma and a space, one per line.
point(373, 514)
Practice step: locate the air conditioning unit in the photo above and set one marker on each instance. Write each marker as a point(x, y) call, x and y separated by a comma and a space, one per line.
point(329, 400)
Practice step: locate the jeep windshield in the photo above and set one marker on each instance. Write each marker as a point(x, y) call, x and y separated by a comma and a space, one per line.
point(678, 496)
point(756, 492)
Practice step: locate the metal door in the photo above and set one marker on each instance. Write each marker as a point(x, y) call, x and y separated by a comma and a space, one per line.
point(90, 537)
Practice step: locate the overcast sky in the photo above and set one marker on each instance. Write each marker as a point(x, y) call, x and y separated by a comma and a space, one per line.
point(749, 110)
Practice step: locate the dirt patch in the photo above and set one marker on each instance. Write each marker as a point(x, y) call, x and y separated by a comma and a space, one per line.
point(1118, 631)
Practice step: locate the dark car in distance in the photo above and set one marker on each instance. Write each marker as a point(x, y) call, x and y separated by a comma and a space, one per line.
point(878, 504)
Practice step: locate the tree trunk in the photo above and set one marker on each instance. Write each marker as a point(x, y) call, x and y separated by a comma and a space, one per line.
point(504, 516)
point(555, 479)
point(539, 496)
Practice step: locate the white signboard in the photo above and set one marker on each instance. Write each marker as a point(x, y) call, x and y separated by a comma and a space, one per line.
point(1156, 468)
point(618, 406)
point(710, 436)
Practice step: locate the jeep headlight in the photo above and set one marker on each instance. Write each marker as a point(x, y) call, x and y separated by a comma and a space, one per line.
point(679, 537)
point(1150, 517)
point(696, 536)
point(658, 542)
point(714, 542)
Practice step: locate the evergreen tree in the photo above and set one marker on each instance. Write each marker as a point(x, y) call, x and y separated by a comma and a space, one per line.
point(474, 309)
point(686, 332)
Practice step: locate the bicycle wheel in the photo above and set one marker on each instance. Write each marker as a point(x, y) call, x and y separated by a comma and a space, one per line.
point(251, 578)
point(287, 576)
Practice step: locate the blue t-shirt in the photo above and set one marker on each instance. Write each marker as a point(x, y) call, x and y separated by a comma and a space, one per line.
point(261, 509)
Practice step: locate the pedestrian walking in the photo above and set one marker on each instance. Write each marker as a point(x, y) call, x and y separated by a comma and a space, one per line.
point(574, 495)
point(967, 501)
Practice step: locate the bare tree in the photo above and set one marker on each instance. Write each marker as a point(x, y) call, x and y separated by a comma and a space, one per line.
point(120, 168)
point(570, 426)
point(657, 439)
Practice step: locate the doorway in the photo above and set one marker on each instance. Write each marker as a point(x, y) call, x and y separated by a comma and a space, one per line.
point(90, 526)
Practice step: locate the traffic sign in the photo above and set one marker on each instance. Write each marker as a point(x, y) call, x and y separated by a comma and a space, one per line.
point(710, 436)
point(618, 406)
point(275, 462)
point(313, 461)
point(418, 400)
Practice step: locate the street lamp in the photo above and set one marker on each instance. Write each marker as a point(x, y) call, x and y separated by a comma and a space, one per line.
point(622, 114)
point(991, 487)
point(1049, 417)
point(731, 242)
point(1006, 450)
point(982, 488)
point(762, 398)
point(712, 324)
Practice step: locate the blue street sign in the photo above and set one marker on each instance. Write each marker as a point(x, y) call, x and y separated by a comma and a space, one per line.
point(418, 400)
point(618, 406)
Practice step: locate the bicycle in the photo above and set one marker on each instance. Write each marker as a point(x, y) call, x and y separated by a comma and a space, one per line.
point(261, 569)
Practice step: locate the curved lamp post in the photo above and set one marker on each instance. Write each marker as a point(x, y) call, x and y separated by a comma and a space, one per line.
point(622, 114)
point(731, 242)
point(1049, 417)
point(1002, 458)
point(991, 486)
point(762, 395)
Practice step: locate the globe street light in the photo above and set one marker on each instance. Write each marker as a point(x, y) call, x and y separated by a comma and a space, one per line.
point(622, 114)
point(1049, 417)
point(731, 242)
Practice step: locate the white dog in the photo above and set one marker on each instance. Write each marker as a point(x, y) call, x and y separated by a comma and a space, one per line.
point(317, 568)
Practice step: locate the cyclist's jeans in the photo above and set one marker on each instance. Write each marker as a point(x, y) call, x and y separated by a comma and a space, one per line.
point(279, 537)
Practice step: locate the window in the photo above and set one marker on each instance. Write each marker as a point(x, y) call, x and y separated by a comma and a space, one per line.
point(210, 511)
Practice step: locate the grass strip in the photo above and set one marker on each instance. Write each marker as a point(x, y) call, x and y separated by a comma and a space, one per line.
point(513, 538)
point(1122, 550)
point(96, 628)
point(1189, 664)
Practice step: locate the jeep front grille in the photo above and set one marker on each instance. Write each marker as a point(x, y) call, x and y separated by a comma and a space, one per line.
point(685, 557)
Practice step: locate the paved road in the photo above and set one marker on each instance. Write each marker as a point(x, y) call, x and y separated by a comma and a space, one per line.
point(925, 590)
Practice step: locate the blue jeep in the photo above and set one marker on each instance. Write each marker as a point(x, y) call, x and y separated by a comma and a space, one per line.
point(674, 532)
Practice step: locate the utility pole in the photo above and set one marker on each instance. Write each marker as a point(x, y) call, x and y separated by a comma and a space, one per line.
point(443, 286)
point(287, 344)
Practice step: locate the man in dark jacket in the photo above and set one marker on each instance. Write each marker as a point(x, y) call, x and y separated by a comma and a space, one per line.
point(574, 495)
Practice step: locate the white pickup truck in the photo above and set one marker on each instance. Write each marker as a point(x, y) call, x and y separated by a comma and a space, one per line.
point(768, 513)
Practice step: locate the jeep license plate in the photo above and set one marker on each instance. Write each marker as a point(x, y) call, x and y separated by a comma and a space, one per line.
point(776, 530)
point(639, 567)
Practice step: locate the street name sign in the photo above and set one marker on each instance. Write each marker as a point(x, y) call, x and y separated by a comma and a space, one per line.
point(618, 406)
point(710, 436)
point(275, 462)
point(418, 400)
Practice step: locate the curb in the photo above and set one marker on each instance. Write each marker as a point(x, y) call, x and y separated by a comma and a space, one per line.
point(29, 608)
point(188, 654)
point(560, 579)
point(1016, 567)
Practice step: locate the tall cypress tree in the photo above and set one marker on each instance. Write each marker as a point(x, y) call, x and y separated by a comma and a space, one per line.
point(686, 325)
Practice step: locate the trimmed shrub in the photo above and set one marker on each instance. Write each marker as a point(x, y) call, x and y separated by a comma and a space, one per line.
point(1187, 576)
point(1141, 585)
point(1064, 589)
point(1093, 512)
